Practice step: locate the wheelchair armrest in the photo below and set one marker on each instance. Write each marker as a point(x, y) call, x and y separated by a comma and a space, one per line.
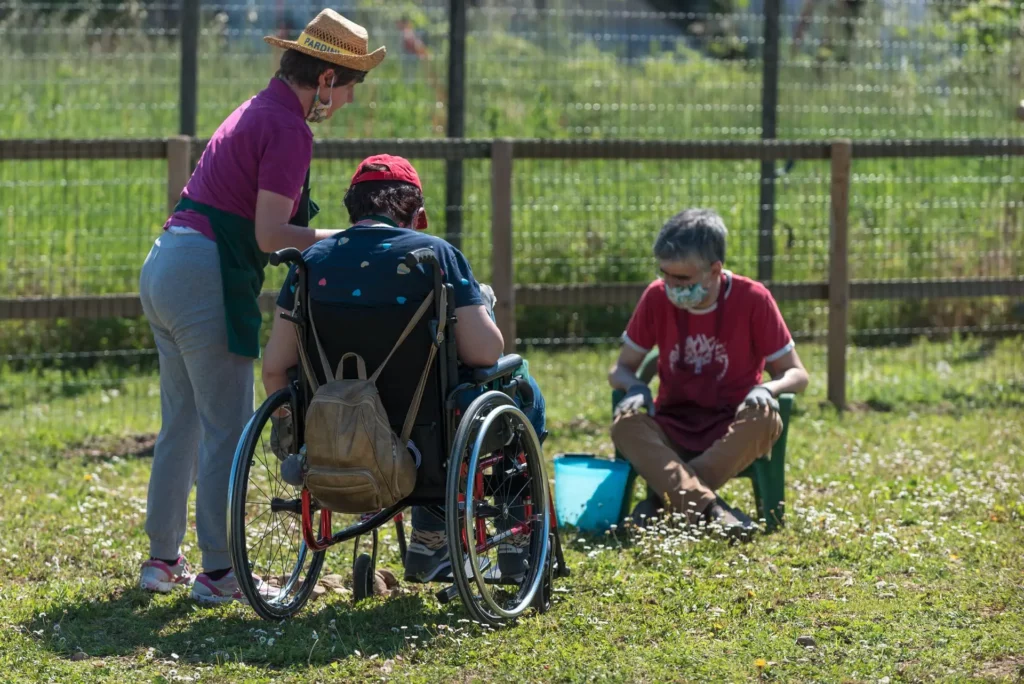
point(507, 365)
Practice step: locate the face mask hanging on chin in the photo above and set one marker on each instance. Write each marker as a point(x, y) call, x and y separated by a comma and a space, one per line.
point(319, 111)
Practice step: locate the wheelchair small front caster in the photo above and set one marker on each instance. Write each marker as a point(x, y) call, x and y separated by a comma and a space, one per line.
point(362, 577)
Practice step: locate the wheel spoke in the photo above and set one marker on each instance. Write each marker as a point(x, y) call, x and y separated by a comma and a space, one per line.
point(521, 489)
point(250, 522)
point(260, 490)
point(270, 532)
point(274, 479)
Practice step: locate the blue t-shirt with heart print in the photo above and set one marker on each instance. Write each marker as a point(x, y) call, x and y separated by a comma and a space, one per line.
point(365, 265)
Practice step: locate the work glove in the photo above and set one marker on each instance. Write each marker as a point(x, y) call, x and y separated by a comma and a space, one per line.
point(760, 397)
point(637, 397)
point(487, 294)
point(282, 435)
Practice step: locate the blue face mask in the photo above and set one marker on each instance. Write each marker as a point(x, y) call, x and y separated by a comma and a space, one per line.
point(686, 297)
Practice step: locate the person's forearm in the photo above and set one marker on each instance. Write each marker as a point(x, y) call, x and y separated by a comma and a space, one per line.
point(794, 381)
point(287, 235)
point(273, 381)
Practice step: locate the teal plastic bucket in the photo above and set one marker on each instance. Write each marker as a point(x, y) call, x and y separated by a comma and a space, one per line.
point(589, 491)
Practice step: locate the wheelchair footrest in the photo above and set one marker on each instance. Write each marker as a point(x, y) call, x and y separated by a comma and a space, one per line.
point(447, 594)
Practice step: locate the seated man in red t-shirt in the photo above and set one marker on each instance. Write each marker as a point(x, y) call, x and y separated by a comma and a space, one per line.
point(716, 332)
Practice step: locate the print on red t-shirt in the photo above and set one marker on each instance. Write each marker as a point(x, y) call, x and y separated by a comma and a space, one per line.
point(707, 361)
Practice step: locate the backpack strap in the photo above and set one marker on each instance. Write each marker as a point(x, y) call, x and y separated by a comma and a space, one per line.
point(405, 333)
point(307, 367)
point(414, 407)
point(324, 363)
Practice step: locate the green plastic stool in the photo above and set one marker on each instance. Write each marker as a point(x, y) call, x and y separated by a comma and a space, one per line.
point(767, 474)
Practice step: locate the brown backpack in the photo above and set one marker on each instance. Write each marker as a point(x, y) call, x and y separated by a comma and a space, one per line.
point(355, 463)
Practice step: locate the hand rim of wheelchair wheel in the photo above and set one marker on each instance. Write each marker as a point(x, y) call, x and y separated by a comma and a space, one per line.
point(238, 486)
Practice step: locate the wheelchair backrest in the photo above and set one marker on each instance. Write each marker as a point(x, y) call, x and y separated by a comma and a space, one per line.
point(371, 332)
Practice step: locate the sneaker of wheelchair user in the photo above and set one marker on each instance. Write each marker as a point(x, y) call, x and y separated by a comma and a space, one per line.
point(363, 266)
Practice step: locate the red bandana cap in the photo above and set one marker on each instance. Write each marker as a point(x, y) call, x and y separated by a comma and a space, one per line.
point(396, 169)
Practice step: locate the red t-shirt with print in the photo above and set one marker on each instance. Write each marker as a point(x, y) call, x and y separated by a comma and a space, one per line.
point(707, 361)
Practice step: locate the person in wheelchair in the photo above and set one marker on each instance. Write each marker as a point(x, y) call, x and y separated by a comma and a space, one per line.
point(357, 267)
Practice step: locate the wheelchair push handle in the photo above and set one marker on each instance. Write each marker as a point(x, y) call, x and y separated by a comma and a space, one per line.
point(425, 255)
point(288, 255)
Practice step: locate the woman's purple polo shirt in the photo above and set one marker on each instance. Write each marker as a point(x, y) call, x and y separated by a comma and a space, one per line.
point(264, 144)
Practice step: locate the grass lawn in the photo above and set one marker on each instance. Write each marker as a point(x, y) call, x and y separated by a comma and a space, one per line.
point(900, 559)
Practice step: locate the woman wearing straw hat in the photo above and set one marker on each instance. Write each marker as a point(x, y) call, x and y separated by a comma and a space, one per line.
point(200, 284)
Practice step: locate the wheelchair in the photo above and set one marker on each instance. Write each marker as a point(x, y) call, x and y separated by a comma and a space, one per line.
point(479, 468)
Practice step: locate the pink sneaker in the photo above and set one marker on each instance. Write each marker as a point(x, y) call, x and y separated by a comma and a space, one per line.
point(160, 577)
point(226, 589)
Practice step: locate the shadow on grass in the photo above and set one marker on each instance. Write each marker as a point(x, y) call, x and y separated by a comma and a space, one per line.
point(128, 623)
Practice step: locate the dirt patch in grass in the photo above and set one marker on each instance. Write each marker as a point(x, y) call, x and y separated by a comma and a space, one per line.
point(130, 446)
point(1010, 668)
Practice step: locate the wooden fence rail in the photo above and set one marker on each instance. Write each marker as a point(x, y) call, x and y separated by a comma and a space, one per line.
point(181, 152)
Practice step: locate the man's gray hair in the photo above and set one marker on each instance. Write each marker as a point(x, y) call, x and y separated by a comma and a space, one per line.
point(696, 233)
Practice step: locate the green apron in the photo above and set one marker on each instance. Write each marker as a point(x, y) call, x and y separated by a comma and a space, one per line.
point(242, 265)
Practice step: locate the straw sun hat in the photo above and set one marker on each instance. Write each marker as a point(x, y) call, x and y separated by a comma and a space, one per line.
point(333, 38)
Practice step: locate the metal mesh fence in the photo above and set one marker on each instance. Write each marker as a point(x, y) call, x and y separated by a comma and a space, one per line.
point(940, 218)
point(558, 68)
point(898, 69)
point(555, 69)
point(87, 70)
point(75, 227)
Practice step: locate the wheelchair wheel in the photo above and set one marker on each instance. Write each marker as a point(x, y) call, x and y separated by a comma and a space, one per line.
point(276, 571)
point(498, 515)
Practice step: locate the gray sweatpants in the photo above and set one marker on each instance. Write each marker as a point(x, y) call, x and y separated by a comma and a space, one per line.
point(206, 397)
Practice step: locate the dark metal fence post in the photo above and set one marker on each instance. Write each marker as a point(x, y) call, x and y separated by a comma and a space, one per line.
point(189, 81)
point(456, 118)
point(769, 107)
